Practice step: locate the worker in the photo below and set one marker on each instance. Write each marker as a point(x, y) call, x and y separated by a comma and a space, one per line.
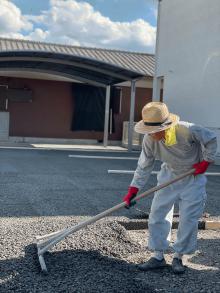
point(181, 146)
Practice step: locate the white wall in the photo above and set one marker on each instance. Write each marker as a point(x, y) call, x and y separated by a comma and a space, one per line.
point(189, 59)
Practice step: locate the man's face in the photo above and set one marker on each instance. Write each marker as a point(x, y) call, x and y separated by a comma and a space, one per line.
point(158, 135)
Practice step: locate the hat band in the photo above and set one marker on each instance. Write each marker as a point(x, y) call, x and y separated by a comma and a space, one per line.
point(166, 122)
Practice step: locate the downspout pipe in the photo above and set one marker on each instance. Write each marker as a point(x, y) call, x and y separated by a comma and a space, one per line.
point(106, 125)
point(156, 81)
point(131, 119)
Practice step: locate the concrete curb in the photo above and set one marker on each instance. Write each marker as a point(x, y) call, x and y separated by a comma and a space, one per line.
point(203, 224)
point(212, 225)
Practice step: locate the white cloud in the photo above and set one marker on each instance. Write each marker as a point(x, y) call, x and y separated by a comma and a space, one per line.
point(11, 19)
point(38, 34)
point(77, 23)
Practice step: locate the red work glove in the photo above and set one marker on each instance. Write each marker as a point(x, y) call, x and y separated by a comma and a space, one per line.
point(132, 192)
point(200, 167)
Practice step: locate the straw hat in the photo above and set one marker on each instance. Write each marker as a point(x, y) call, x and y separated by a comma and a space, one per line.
point(155, 118)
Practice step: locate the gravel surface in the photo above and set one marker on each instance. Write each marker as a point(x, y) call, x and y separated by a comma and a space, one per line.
point(92, 260)
point(203, 267)
point(100, 258)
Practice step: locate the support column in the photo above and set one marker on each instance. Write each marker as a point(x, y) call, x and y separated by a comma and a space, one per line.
point(107, 105)
point(157, 86)
point(131, 119)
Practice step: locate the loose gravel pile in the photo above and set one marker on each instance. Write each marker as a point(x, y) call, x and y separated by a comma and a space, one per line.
point(100, 258)
point(91, 260)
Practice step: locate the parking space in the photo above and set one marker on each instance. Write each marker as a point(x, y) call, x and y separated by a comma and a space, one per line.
point(51, 183)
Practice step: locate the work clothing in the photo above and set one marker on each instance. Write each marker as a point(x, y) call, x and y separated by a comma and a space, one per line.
point(155, 117)
point(132, 192)
point(159, 255)
point(152, 264)
point(200, 167)
point(190, 194)
point(193, 144)
point(177, 266)
point(178, 255)
point(170, 136)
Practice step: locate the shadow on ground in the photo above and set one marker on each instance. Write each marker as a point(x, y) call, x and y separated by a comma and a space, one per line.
point(69, 271)
point(89, 271)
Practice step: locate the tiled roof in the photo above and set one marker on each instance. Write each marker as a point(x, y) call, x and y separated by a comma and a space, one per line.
point(138, 62)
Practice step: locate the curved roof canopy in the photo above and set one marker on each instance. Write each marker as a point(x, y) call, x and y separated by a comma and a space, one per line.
point(89, 65)
point(78, 68)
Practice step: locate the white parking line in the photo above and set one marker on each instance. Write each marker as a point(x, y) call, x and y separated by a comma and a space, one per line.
point(126, 172)
point(103, 157)
point(153, 172)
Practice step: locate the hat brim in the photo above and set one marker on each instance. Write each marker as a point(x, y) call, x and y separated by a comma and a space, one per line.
point(140, 127)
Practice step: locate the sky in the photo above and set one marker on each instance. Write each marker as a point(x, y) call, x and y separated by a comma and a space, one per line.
point(112, 24)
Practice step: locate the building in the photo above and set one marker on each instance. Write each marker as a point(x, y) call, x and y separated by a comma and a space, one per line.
point(188, 60)
point(51, 91)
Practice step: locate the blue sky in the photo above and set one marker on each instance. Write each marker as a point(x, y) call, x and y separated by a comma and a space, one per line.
point(114, 9)
point(117, 24)
point(32, 6)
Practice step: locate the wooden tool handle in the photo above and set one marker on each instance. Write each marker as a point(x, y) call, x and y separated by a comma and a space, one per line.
point(44, 246)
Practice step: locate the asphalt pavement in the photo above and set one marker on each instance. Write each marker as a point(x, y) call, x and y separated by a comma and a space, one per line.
point(51, 183)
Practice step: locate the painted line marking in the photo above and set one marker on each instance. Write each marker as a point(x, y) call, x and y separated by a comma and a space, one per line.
point(102, 157)
point(126, 172)
point(153, 172)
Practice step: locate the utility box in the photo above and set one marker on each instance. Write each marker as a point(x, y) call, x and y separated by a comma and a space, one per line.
point(4, 126)
point(137, 137)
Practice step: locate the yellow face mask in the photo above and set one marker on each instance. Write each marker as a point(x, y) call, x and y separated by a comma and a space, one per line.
point(170, 136)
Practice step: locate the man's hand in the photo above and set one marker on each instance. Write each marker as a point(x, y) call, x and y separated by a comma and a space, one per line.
point(201, 167)
point(132, 192)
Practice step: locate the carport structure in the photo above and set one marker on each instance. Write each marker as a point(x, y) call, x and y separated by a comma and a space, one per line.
point(73, 63)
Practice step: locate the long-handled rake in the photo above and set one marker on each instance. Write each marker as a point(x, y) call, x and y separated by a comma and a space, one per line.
point(45, 242)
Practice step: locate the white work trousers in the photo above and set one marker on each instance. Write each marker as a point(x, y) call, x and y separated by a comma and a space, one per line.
point(190, 193)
